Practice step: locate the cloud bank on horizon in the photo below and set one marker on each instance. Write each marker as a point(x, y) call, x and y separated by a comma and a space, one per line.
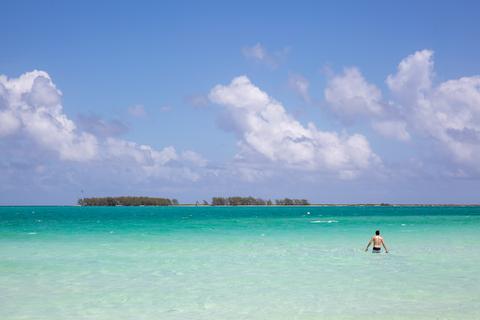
point(40, 140)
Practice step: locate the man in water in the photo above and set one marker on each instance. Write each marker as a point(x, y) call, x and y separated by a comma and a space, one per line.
point(377, 243)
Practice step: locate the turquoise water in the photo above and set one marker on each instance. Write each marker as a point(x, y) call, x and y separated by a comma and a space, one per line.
point(238, 263)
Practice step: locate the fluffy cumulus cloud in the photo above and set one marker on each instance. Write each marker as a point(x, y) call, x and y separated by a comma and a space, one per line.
point(163, 164)
point(31, 105)
point(413, 77)
point(349, 94)
point(31, 114)
point(265, 128)
point(447, 113)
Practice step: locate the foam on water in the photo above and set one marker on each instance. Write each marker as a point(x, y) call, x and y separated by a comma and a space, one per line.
point(238, 263)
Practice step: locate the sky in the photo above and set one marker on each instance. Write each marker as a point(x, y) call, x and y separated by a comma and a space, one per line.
point(332, 101)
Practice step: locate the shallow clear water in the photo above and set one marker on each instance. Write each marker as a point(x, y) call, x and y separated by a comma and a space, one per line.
point(238, 263)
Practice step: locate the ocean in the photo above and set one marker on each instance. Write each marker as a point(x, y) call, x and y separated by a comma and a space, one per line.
point(238, 263)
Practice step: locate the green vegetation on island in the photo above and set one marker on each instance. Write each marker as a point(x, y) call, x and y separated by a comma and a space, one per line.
point(216, 201)
point(127, 201)
point(251, 201)
point(292, 202)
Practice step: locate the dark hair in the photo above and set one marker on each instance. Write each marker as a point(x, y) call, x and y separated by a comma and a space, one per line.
point(377, 232)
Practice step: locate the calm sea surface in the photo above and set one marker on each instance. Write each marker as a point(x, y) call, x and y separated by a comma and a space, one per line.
point(238, 263)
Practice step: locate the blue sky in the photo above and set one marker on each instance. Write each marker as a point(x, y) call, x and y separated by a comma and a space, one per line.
point(335, 101)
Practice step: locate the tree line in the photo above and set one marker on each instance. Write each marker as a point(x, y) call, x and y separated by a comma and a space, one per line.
point(216, 201)
point(251, 201)
point(127, 201)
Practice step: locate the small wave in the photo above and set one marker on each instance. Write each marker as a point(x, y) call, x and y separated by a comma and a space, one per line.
point(324, 221)
point(32, 233)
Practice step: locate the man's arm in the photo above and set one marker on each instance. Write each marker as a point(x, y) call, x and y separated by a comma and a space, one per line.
point(369, 243)
point(383, 244)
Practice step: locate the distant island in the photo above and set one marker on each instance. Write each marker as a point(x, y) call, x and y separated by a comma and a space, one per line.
point(216, 201)
point(127, 201)
point(251, 201)
point(240, 201)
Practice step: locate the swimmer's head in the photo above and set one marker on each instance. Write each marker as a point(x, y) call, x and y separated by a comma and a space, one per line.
point(377, 232)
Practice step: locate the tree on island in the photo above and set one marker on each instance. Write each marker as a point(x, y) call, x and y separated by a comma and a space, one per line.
point(218, 201)
point(292, 202)
point(251, 201)
point(127, 201)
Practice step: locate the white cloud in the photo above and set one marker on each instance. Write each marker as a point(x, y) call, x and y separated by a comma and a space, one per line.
point(300, 85)
point(449, 113)
point(256, 52)
point(32, 106)
point(31, 113)
point(9, 123)
point(413, 77)
point(137, 110)
point(260, 54)
point(143, 155)
point(194, 158)
point(392, 129)
point(349, 94)
point(265, 128)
